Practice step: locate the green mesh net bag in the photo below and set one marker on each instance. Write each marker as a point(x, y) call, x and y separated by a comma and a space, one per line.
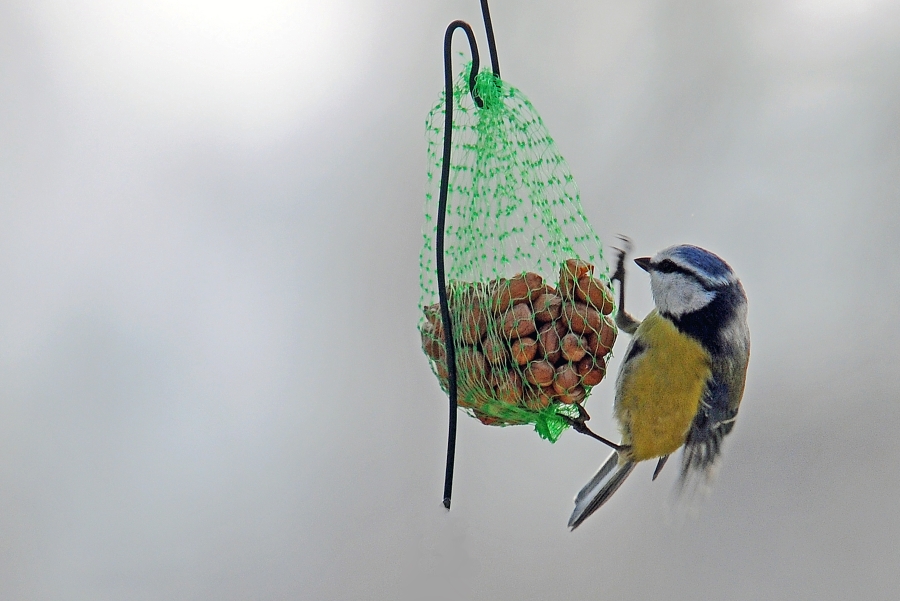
point(527, 285)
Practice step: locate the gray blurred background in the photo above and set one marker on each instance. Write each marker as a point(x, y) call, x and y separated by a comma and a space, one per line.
point(211, 386)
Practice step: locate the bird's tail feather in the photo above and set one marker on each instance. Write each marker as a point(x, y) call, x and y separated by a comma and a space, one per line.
point(601, 487)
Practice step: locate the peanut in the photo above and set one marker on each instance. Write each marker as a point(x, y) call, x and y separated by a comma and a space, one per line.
point(433, 315)
point(523, 350)
point(519, 288)
point(573, 396)
point(509, 388)
point(549, 340)
point(566, 378)
point(608, 332)
point(595, 293)
point(495, 349)
point(467, 304)
point(518, 322)
point(540, 373)
point(487, 420)
point(538, 398)
point(591, 370)
point(547, 307)
point(572, 346)
point(471, 365)
point(431, 344)
point(569, 273)
point(581, 318)
point(535, 285)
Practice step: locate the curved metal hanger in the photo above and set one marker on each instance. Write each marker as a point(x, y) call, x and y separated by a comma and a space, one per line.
point(442, 214)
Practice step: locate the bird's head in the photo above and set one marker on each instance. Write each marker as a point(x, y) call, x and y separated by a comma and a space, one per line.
point(685, 278)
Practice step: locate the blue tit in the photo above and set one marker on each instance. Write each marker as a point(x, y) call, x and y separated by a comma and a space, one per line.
point(682, 377)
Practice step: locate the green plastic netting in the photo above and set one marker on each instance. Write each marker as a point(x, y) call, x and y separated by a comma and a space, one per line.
point(526, 280)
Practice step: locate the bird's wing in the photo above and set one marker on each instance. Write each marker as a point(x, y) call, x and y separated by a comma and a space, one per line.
point(714, 420)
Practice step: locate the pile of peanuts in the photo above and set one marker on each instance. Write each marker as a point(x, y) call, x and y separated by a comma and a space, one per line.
point(522, 342)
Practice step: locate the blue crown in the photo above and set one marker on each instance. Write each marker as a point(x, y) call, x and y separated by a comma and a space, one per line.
point(709, 264)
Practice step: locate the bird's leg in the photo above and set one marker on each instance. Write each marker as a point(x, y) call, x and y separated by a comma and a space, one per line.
point(578, 425)
point(625, 321)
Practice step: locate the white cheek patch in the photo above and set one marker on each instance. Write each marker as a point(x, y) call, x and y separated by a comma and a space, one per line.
point(677, 294)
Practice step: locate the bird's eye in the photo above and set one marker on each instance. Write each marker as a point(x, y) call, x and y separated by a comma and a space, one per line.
point(666, 266)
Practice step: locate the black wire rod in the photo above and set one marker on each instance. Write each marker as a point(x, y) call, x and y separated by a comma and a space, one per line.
point(489, 31)
point(439, 244)
point(442, 213)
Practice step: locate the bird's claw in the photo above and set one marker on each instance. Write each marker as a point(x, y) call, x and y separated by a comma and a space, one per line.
point(626, 242)
point(619, 273)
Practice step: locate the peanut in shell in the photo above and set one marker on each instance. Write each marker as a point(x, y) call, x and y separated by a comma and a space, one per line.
point(600, 343)
point(569, 273)
point(467, 304)
point(519, 288)
point(431, 344)
point(506, 291)
point(433, 316)
point(593, 292)
point(547, 307)
point(537, 398)
point(487, 420)
point(566, 378)
point(578, 267)
point(509, 388)
point(592, 370)
point(572, 347)
point(523, 350)
point(495, 350)
point(518, 322)
point(540, 373)
point(535, 284)
point(571, 397)
point(549, 342)
point(473, 325)
point(608, 332)
point(581, 318)
point(440, 367)
point(471, 395)
point(471, 365)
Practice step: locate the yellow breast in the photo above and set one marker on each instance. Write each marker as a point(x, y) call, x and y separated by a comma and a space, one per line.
point(658, 391)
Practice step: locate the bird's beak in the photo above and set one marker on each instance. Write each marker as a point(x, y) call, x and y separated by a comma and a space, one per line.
point(643, 263)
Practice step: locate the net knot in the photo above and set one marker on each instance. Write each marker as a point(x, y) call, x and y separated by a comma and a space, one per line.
point(489, 87)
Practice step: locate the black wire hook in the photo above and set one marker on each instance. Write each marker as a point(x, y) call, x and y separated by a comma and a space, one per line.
point(442, 214)
point(439, 243)
point(492, 45)
point(448, 72)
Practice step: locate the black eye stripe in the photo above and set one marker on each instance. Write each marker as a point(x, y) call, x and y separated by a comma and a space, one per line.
point(669, 266)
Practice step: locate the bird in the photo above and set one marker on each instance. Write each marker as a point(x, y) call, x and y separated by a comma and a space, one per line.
point(682, 377)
